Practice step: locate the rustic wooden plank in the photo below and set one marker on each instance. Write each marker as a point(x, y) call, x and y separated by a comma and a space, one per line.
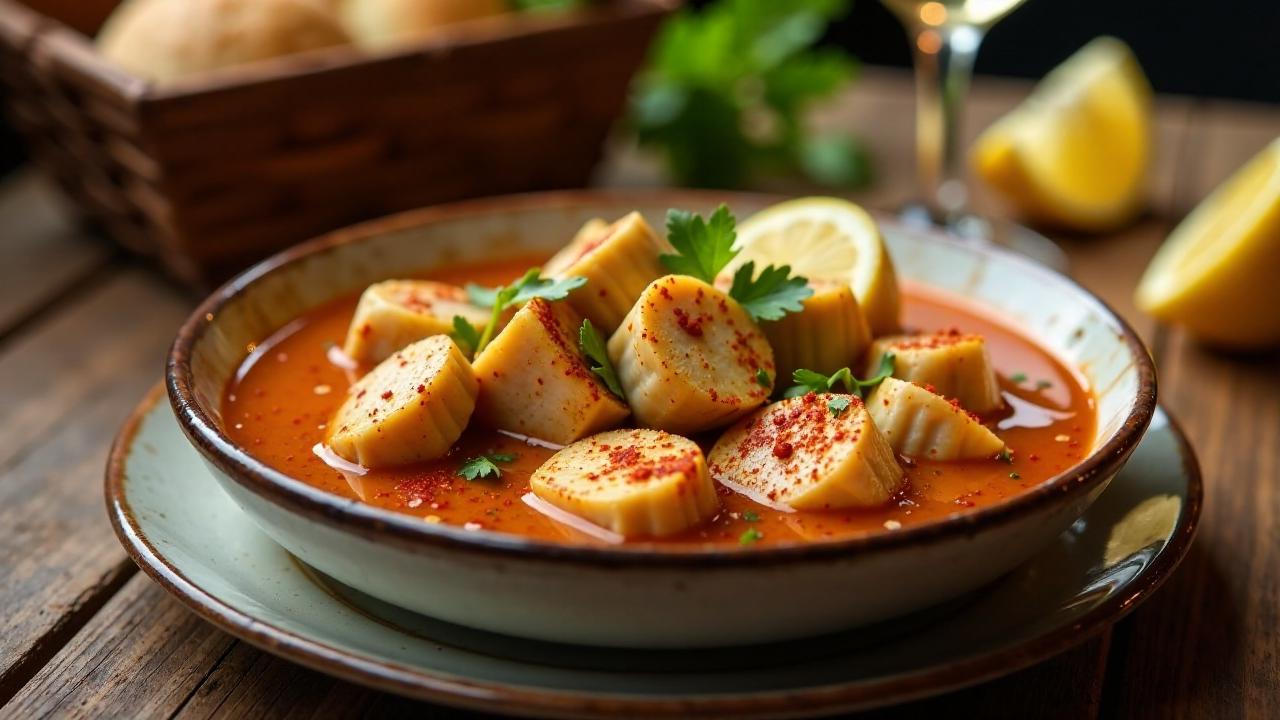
point(1227, 135)
point(1068, 686)
point(43, 254)
point(141, 656)
point(250, 683)
point(67, 384)
point(1206, 645)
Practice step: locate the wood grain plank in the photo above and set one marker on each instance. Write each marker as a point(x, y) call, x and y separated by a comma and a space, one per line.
point(1208, 644)
point(43, 253)
point(67, 385)
point(141, 656)
point(1227, 135)
point(1068, 687)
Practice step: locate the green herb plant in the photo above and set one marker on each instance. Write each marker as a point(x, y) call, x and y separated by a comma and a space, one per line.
point(727, 89)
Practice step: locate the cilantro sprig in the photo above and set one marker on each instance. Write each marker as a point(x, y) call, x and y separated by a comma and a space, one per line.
point(807, 381)
point(483, 466)
point(530, 285)
point(704, 248)
point(592, 344)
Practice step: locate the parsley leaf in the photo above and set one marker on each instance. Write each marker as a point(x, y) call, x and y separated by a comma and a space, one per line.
point(751, 516)
point(465, 334)
point(483, 466)
point(702, 248)
point(750, 537)
point(772, 295)
point(1018, 378)
point(838, 404)
point(807, 381)
point(762, 378)
point(593, 347)
point(530, 285)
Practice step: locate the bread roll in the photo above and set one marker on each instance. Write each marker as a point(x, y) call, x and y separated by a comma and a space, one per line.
point(164, 40)
point(385, 23)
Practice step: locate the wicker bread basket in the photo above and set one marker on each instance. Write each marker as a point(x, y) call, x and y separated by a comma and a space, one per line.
point(217, 171)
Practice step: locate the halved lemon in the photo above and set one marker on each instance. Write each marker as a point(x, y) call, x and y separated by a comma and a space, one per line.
point(1218, 274)
point(1077, 151)
point(827, 239)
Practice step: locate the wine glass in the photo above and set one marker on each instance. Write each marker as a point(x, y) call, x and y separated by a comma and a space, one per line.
point(946, 35)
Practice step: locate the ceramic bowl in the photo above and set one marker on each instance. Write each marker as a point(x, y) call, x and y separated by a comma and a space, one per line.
point(633, 597)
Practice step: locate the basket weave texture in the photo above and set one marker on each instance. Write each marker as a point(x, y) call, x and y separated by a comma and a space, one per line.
point(212, 173)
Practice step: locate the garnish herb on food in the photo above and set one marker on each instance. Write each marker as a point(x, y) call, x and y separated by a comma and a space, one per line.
point(807, 381)
point(1005, 456)
point(593, 346)
point(1043, 384)
point(727, 89)
point(1018, 378)
point(771, 295)
point(838, 404)
point(531, 285)
point(750, 516)
point(750, 537)
point(484, 466)
point(1015, 476)
point(762, 378)
point(704, 248)
point(465, 335)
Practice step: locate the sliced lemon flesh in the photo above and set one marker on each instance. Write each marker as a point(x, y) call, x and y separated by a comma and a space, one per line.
point(1217, 273)
point(1076, 153)
point(831, 240)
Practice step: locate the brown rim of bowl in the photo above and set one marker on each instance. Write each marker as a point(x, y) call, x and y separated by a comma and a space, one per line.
point(411, 533)
point(486, 696)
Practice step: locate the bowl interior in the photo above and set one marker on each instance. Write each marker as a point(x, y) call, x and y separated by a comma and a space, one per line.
point(1050, 309)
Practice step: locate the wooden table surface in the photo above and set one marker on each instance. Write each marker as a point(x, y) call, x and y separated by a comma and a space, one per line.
point(83, 332)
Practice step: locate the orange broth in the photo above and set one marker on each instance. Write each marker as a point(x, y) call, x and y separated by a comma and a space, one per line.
point(286, 390)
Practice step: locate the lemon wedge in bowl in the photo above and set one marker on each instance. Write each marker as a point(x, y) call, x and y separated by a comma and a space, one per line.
point(1077, 151)
point(1217, 273)
point(826, 239)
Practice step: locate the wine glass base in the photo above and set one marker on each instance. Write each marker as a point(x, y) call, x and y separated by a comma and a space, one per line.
point(996, 231)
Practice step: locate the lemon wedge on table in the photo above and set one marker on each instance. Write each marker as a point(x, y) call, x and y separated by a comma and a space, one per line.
point(1218, 274)
point(826, 239)
point(1077, 151)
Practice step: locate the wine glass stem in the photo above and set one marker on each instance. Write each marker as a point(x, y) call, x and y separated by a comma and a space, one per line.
point(944, 65)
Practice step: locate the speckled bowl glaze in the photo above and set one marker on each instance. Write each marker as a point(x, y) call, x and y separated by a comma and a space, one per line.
point(638, 597)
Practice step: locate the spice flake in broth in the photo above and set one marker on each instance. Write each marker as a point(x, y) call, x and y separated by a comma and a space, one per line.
point(279, 402)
